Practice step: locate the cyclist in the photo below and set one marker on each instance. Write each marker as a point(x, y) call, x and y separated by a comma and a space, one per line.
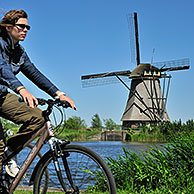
point(13, 59)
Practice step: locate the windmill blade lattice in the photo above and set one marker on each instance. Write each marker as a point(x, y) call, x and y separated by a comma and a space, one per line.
point(131, 26)
point(172, 65)
point(104, 78)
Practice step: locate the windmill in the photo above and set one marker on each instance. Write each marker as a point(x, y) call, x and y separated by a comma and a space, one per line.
point(150, 84)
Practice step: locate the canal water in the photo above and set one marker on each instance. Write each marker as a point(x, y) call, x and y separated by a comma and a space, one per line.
point(103, 148)
point(115, 148)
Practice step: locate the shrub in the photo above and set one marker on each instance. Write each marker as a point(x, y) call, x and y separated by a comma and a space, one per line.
point(75, 122)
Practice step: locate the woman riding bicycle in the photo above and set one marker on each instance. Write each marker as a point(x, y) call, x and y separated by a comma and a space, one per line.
point(13, 59)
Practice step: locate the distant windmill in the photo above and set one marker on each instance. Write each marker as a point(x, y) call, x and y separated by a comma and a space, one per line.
point(147, 99)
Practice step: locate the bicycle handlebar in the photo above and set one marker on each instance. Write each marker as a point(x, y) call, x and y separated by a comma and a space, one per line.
point(51, 102)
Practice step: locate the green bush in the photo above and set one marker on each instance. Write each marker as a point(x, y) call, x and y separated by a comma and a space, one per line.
point(75, 122)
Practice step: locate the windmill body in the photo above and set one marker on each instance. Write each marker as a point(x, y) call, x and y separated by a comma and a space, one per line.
point(146, 103)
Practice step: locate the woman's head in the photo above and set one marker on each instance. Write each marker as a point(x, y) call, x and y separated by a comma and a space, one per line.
point(15, 24)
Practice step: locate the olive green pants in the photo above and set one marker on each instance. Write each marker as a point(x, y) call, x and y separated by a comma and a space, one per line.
point(19, 113)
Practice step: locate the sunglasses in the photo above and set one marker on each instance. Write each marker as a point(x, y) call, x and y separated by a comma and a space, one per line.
point(23, 26)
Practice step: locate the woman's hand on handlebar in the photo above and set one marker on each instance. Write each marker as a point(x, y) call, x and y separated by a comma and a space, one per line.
point(65, 98)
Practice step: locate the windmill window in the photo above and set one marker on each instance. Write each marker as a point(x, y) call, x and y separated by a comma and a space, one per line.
point(157, 73)
point(147, 72)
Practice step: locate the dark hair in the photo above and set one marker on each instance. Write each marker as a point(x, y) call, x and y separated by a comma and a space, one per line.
point(10, 18)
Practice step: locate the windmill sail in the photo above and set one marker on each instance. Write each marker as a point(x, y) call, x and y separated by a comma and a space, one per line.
point(104, 78)
point(134, 38)
point(173, 65)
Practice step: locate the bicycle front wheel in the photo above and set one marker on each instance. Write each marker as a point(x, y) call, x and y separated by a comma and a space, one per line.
point(81, 170)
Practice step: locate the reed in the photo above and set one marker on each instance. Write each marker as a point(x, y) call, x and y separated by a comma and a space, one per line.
point(170, 170)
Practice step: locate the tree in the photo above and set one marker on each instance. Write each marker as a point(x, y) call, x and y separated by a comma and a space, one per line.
point(109, 124)
point(96, 122)
point(75, 122)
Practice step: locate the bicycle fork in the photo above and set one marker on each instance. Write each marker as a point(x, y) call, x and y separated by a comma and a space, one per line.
point(58, 152)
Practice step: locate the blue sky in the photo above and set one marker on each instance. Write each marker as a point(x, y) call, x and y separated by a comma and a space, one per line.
point(70, 38)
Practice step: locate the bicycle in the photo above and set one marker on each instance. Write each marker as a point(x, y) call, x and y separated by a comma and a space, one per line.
point(65, 167)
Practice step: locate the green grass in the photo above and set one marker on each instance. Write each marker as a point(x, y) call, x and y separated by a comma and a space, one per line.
point(148, 137)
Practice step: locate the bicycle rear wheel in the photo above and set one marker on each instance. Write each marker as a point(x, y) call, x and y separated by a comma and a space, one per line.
point(88, 171)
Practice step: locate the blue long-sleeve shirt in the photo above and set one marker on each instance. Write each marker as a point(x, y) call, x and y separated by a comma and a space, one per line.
point(14, 59)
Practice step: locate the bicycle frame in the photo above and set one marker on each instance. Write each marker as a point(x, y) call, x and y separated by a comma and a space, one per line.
point(45, 132)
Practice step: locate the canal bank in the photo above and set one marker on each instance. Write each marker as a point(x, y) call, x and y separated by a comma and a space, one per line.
point(114, 135)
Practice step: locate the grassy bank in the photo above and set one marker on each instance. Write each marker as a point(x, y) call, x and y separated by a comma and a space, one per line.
point(161, 132)
point(78, 135)
point(156, 137)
